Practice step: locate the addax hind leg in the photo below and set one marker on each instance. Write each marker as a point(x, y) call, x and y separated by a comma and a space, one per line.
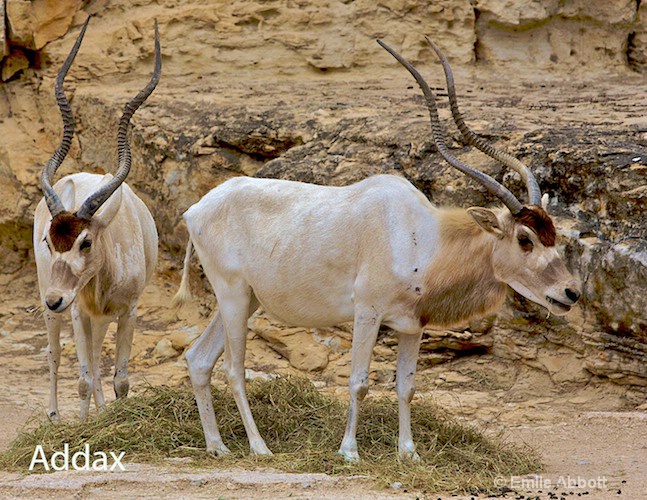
point(365, 329)
point(408, 346)
point(235, 303)
point(53, 323)
point(201, 357)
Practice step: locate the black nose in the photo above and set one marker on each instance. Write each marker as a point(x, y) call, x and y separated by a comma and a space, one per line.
point(54, 305)
point(573, 295)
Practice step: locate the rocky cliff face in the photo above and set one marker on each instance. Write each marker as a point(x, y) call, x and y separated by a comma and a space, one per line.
point(299, 90)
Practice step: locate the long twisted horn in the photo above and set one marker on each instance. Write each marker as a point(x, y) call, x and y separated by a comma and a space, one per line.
point(53, 201)
point(534, 193)
point(99, 197)
point(485, 180)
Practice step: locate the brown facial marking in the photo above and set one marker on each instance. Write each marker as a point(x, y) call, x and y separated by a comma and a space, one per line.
point(64, 230)
point(540, 222)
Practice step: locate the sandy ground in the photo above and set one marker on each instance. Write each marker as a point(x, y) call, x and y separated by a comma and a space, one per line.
point(593, 443)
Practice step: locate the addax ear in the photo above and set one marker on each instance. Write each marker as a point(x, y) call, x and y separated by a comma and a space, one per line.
point(109, 209)
point(67, 193)
point(487, 219)
point(544, 202)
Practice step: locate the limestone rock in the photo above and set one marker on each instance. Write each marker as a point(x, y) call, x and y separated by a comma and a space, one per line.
point(441, 346)
point(256, 375)
point(563, 365)
point(580, 33)
point(616, 286)
point(338, 339)
point(15, 62)
point(295, 344)
point(34, 23)
point(427, 359)
point(181, 339)
point(435, 340)
point(164, 350)
point(454, 378)
point(618, 368)
point(637, 50)
point(4, 46)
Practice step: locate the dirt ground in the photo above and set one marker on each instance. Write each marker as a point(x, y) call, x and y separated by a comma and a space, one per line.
point(590, 444)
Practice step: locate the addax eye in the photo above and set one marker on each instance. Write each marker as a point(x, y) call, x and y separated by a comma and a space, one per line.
point(86, 245)
point(525, 243)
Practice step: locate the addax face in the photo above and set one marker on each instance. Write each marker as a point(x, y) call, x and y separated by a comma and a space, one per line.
point(74, 259)
point(534, 267)
point(525, 257)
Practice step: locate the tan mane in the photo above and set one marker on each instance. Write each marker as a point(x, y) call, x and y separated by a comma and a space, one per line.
point(460, 284)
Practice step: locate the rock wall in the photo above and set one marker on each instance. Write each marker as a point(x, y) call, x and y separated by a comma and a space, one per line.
point(299, 90)
point(292, 37)
point(637, 54)
point(578, 34)
point(4, 46)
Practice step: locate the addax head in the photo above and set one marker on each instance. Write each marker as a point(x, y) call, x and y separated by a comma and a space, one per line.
point(74, 238)
point(524, 255)
point(526, 258)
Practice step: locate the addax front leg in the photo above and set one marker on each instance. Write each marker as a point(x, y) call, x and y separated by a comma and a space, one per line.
point(83, 338)
point(364, 336)
point(408, 347)
point(124, 343)
point(53, 323)
point(99, 328)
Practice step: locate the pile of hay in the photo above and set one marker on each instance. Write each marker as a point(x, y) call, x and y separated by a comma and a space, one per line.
point(300, 425)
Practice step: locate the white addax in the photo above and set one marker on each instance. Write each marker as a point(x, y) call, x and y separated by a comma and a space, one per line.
point(95, 245)
point(376, 253)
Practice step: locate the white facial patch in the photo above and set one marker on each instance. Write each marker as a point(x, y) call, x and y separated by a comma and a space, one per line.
point(542, 261)
point(523, 290)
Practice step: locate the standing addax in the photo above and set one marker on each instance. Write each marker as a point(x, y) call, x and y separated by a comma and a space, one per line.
point(375, 252)
point(95, 245)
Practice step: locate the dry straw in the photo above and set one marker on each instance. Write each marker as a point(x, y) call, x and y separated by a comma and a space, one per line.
point(301, 426)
